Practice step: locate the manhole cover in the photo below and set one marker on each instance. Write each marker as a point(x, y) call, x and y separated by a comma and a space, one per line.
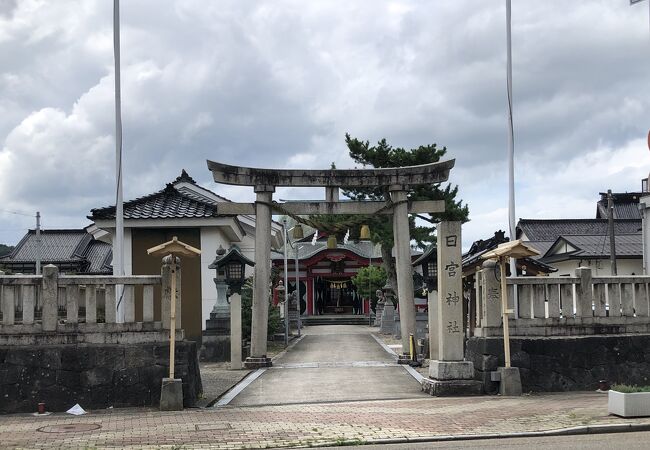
point(70, 428)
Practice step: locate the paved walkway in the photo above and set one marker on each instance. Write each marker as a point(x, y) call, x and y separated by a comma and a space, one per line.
point(308, 424)
point(312, 411)
point(331, 363)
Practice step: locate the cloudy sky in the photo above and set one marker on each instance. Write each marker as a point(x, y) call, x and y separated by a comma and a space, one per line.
point(279, 83)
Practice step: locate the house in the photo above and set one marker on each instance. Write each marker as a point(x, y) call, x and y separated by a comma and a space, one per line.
point(567, 244)
point(472, 259)
point(190, 212)
point(73, 251)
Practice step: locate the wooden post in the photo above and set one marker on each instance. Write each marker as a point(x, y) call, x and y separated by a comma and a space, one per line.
point(504, 311)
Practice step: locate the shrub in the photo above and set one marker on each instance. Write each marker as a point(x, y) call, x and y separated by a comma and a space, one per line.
point(627, 389)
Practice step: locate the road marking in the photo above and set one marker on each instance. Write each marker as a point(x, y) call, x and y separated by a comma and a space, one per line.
point(243, 384)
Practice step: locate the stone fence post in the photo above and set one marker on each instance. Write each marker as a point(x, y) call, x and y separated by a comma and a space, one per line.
point(491, 293)
point(584, 295)
point(166, 272)
point(50, 291)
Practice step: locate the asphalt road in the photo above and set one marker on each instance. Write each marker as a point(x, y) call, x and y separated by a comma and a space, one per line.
point(627, 441)
point(331, 363)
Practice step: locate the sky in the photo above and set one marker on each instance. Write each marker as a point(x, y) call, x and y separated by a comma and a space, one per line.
point(278, 84)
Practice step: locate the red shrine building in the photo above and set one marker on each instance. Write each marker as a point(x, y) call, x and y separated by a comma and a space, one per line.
point(325, 274)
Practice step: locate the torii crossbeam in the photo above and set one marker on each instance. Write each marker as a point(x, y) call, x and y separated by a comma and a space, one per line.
point(264, 181)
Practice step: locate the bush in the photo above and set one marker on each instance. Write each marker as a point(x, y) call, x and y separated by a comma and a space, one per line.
point(627, 389)
point(274, 323)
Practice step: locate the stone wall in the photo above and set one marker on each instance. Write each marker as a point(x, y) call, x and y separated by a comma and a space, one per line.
point(550, 364)
point(94, 375)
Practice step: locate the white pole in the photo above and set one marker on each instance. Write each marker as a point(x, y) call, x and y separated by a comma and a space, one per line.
point(370, 285)
point(286, 286)
point(118, 248)
point(511, 142)
point(297, 287)
point(38, 243)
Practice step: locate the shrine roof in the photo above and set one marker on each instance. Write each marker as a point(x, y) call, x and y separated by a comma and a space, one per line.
point(174, 201)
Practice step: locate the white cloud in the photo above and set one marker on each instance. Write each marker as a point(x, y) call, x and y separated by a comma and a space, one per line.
point(279, 84)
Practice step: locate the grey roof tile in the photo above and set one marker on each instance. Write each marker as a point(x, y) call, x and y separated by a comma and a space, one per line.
point(551, 229)
point(73, 248)
point(627, 245)
point(173, 202)
point(626, 205)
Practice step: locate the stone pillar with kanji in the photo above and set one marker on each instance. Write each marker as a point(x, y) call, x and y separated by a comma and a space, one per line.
point(450, 374)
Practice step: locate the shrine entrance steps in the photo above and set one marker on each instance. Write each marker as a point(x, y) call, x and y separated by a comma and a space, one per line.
point(335, 319)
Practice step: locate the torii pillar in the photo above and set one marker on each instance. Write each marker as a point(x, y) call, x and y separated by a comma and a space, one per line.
point(260, 313)
point(397, 179)
point(404, 269)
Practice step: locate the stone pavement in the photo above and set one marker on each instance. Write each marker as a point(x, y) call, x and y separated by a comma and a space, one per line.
point(331, 363)
point(309, 424)
point(217, 379)
point(324, 406)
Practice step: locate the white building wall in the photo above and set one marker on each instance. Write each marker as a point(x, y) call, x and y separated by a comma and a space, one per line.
point(128, 252)
point(599, 267)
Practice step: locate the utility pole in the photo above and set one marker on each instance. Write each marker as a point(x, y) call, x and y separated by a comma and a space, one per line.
point(38, 242)
point(612, 242)
point(118, 244)
point(511, 148)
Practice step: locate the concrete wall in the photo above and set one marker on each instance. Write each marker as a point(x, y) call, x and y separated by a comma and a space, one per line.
point(95, 376)
point(564, 364)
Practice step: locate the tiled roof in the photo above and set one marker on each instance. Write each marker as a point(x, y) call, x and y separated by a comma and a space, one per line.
point(56, 245)
point(100, 255)
point(627, 245)
point(170, 203)
point(541, 246)
point(473, 257)
point(306, 250)
point(71, 248)
point(551, 229)
point(626, 205)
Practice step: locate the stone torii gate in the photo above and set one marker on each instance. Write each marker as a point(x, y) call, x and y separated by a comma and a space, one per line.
point(264, 181)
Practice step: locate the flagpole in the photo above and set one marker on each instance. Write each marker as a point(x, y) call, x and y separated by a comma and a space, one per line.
point(118, 247)
point(511, 144)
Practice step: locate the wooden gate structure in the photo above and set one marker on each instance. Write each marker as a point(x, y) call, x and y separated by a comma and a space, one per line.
point(398, 180)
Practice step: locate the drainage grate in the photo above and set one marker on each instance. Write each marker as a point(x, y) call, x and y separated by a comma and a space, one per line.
point(217, 426)
point(70, 428)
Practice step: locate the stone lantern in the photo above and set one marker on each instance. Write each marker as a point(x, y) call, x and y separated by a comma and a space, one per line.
point(231, 269)
point(388, 314)
point(230, 266)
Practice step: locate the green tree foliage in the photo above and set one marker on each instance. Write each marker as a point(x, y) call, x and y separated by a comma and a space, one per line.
point(368, 280)
point(384, 155)
point(274, 324)
point(5, 249)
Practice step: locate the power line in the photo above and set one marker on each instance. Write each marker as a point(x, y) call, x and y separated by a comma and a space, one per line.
point(17, 213)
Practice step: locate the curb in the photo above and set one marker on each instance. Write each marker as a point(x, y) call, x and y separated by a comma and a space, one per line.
point(582, 430)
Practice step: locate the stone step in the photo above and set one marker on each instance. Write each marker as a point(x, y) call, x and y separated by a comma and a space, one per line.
point(339, 319)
